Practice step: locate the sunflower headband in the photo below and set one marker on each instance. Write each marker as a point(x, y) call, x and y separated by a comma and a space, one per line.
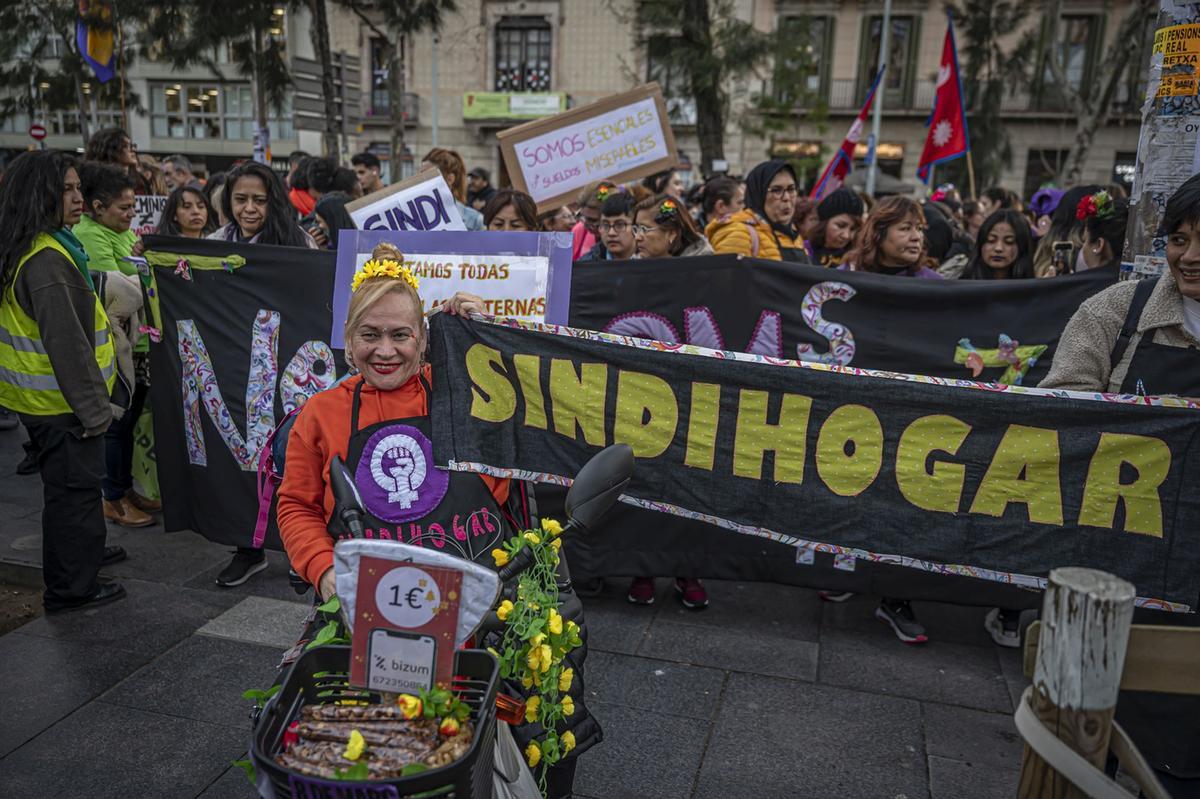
point(384, 268)
point(1099, 205)
point(667, 210)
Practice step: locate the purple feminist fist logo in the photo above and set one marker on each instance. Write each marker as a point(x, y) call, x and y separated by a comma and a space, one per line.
point(396, 476)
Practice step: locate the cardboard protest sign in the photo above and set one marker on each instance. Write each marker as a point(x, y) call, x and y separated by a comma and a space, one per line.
point(995, 482)
point(422, 202)
point(147, 210)
point(525, 276)
point(623, 137)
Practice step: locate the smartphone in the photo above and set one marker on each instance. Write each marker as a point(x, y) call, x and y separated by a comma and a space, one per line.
point(400, 662)
point(1061, 258)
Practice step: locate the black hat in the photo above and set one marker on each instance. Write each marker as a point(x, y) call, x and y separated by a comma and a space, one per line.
point(842, 201)
point(481, 173)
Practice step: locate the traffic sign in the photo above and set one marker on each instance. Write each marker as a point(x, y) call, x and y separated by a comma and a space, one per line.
point(37, 131)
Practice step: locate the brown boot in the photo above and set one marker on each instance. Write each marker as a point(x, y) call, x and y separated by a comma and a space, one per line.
point(143, 503)
point(125, 514)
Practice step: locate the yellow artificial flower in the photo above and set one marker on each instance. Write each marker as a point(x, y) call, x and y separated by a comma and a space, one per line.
point(527, 681)
point(556, 543)
point(410, 706)
point(568, 741)
point(500, 556)
point(540, 657)
point(537, 640)
point(534, 755)
point(547, 659)
point(384, 268)
point(532, 537)
point(552, 527)
point(506, 607)
point(556, 623)
point(568, 705)
point(571, 627)
point(355, 747)
point(564, 680)
point(531, 708)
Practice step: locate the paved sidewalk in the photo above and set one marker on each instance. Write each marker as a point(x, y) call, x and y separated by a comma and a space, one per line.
point(768, 693)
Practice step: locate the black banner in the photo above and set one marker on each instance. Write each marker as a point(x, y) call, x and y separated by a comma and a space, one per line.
point(244, 332)
point(1001, 331)
point(1006, 484)
point(950, 328)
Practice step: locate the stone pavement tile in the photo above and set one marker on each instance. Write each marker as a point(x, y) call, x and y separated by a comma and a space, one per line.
point(615, 625)
point(731, 649)
point(272, 583)
point(858, 651)
point(21, 538)
point(164, 557)
point(232, 785)
point(653, 685)
point(1012, 666)
point(643, 754)
point(975, 737)
point(152, 619)
point(104, 750)
point(778, 738)
point(953, 779)
point(202, 678)
point(779, 611)
point(271, 622)
point(46, 679)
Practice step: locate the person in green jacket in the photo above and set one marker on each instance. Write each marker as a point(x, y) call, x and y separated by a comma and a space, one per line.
point(104, 231)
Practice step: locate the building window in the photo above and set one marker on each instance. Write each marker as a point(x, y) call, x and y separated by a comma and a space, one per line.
point(1076, 52)
point(672, 77)
point(1041, 168)
point(523, 51)
point(380, 98)
point(810, 40)
point(901, 60)
point(210, 111)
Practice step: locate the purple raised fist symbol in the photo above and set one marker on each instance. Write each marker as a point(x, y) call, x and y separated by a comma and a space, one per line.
point(398, 466)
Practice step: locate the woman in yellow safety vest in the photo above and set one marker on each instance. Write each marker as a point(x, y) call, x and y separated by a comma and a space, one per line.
point(57, 370)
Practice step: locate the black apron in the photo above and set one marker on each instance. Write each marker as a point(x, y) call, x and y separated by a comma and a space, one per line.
point(408, 499)
point(1165, 727)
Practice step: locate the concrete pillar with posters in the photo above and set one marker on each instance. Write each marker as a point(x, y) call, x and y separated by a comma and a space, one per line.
point(1169, 141)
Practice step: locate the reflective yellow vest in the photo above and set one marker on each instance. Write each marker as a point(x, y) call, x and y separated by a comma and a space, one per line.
point(27, 381)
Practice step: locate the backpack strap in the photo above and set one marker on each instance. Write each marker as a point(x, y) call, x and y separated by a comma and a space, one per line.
point(1141, 295)
point(753, 239)
point(268, 477)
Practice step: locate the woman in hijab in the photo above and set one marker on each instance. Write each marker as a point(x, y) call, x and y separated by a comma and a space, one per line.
point(763, 229)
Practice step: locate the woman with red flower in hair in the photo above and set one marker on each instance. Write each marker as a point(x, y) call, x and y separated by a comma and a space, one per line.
point(663, 228)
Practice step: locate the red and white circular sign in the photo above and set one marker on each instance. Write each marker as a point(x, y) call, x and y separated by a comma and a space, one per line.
point(37, 131)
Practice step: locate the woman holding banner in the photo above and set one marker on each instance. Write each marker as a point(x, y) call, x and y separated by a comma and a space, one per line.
point(891, 242)
point(509, 209)
point(259, 212)
point(188, 214)
point(662, 228)
point(1104, 222)
point(257, 205)
point(1003, 248)
point(376, 421)
point(763, 229)
point(1143, 337)
point(840, 215)
point(108, 241)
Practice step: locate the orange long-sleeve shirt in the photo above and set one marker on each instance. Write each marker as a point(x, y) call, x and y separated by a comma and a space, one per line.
point(321, 431)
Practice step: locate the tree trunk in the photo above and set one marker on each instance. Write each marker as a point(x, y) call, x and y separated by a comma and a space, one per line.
point(396, 104)
point(329, 138)
point(262, 144)
point(706, 86)
point(1114, 64)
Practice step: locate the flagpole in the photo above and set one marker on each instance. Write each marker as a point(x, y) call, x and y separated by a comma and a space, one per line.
point(877, 118)
point(971, 173)
point(120, 64)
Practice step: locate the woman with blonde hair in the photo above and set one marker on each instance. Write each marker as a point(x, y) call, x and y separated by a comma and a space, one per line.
point(379, 419)
point(454, 171)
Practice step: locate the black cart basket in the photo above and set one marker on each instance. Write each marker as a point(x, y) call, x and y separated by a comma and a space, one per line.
point(321, 676)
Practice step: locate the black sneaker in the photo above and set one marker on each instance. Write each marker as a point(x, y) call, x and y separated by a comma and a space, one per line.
point(243, 566)
point(113, 554)
point(898, 614)
point(8, 420)
point(107, 592)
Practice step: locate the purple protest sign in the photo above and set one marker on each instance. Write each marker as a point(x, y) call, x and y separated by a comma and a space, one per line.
point(522, 275)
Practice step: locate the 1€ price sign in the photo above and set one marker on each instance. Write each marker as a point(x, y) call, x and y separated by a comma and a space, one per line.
point(406, 615)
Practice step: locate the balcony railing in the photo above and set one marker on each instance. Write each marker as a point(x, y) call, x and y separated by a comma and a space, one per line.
point(848, 95)
point(380, 109)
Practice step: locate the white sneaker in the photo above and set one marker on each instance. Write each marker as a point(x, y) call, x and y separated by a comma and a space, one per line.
point(1004, 631)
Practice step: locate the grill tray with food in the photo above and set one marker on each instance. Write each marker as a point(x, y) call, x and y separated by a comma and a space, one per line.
point(318, 680)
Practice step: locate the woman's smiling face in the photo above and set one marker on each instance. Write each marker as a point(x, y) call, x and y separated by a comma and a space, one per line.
point(388, 342)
